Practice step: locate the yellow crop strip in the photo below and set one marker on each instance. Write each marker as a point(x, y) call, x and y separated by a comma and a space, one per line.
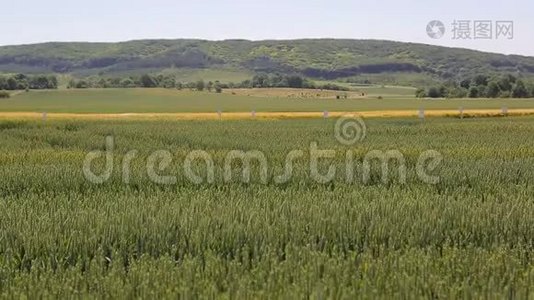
point(266, 115)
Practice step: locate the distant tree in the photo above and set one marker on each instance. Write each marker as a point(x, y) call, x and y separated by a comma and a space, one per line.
point(209, 86)
point(102, 83)
point(12, 83)
point(262, 80)
point(22, 82)
point(200, 85)
point(295, 81)
point(493, 90)
point(458, 92)
point(158, 79)
point(20, 77)
point(473, 92)
point(482, 91)
point(71, 84)
point(505, 94)
point(127, 83)
point(115, 82)
point(168, 82)
point(434, 92)
point(190, 85)
point(444, 91)
point(420, 93)
point(480, 80)
point(82, 84)
point(519, 90)
point(506, 82)
point(279, 81)
point(450, 84)
point(530, 89)
point(218, 87)
point(246, 84)
point(466, 83)
point(147, 81)
point(3, 83)
point(179, 86)
point(52, 82)
point(40, 82)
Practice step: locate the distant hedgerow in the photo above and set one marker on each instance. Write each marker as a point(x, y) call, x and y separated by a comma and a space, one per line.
point(4, 95)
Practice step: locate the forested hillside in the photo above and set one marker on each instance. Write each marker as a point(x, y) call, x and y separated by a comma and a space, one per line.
point(349, 60)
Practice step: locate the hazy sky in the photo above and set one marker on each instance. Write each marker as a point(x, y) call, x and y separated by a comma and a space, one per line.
point(118, 20)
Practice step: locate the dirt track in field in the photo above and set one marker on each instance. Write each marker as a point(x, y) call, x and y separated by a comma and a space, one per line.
point(266, 115)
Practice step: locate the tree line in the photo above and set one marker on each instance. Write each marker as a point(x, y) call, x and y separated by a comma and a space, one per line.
point(169, 81)
point(144, 81)
point(287, 81)
point(481, 86)
point(27, 82)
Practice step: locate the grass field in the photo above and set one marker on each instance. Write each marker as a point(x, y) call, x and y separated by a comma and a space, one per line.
point(173, 101)
point(377, 90)
point(295, 93)
point(468, 236)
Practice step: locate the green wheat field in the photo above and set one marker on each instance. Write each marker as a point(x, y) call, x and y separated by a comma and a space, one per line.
point(469, 236)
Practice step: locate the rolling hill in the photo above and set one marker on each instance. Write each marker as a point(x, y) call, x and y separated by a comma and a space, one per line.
point(356, 61)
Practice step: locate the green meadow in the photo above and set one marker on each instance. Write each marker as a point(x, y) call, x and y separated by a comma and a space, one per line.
point(169, 101)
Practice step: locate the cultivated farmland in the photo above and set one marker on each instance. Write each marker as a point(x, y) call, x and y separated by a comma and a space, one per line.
point(173, 101)
point(470, 235)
